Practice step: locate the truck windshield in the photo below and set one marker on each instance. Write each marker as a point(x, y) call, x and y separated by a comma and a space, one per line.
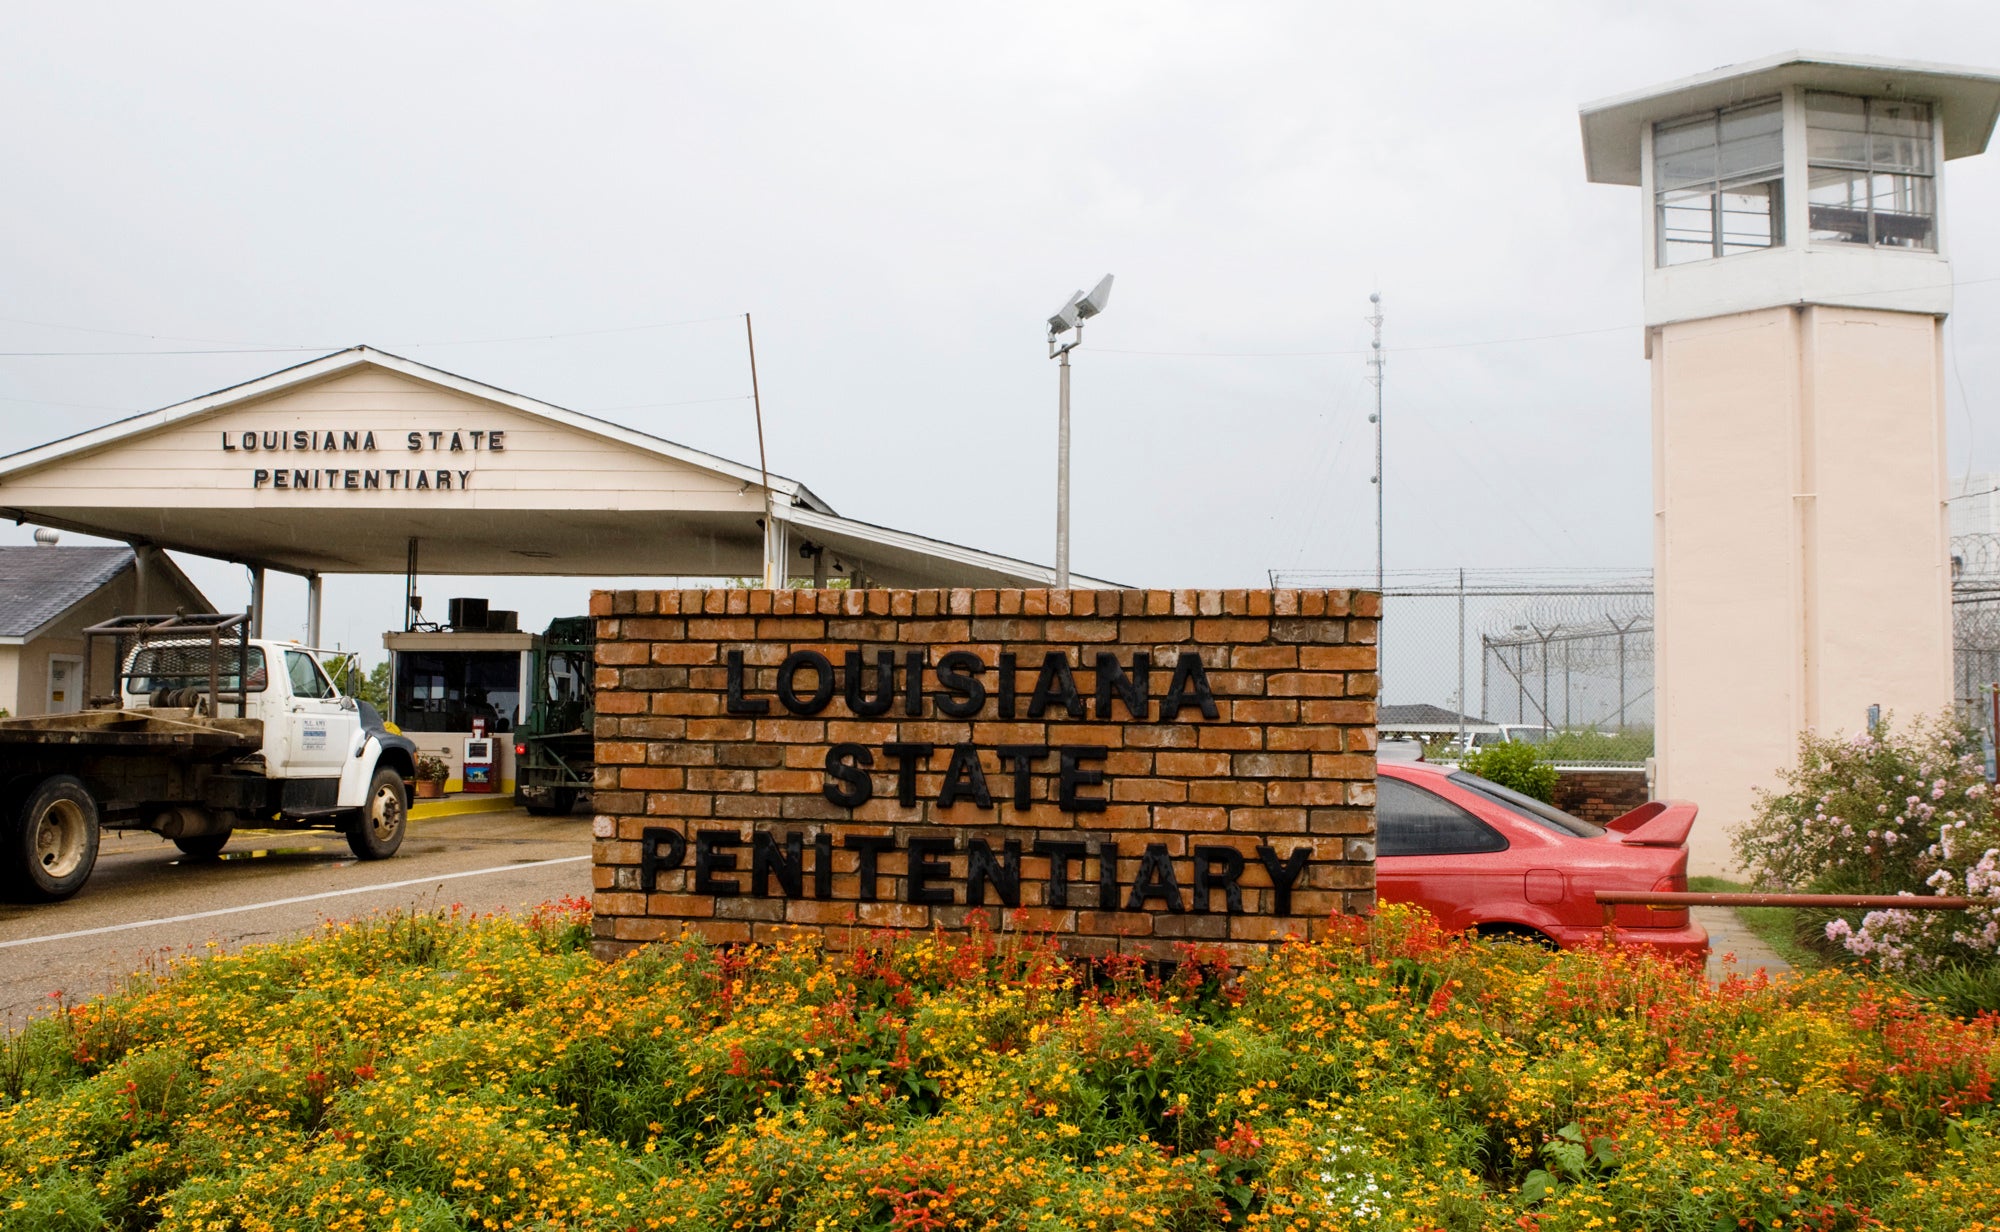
point(172, 666)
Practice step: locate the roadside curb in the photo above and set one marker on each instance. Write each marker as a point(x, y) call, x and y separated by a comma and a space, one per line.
point(430, 810)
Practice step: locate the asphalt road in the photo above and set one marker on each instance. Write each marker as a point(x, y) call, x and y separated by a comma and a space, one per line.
point(145, 904)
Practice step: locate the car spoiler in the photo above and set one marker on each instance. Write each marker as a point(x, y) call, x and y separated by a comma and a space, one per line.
point(1661, 823)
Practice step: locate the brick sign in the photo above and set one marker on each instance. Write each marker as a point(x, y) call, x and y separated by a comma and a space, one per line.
point(1127, 769)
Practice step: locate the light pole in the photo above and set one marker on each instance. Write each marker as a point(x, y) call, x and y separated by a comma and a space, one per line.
point(1071, 315)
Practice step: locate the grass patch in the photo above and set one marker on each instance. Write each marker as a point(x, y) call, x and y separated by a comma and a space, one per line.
point(448, 1073)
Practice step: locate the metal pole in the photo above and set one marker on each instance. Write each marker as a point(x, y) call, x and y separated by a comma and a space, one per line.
point(1062, 470)
point(410, 587)
point(1485, 678)
point(1461, 660)
point(314, 592)
point(1621, 680)
point(773, 578)
point(256, 601)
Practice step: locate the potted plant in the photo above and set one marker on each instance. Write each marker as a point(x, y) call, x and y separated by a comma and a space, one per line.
point(431, 774)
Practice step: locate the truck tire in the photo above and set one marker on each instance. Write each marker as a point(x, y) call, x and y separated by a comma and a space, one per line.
point(377, 830)
point(203, 846)
point(48, 841)
point(553, 802)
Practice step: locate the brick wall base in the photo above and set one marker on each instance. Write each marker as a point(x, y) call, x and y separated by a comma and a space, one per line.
point(1600, 795)
point(1127, 770)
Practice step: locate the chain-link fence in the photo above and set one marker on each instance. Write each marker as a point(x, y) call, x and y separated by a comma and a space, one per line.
point(1975, 624)
point(1470, 656)
point(1570, 653)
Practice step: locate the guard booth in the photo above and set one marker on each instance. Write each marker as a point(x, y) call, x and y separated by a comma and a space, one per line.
point(462, 684)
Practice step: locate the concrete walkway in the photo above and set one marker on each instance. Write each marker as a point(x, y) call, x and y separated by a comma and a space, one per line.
point(1727, 935)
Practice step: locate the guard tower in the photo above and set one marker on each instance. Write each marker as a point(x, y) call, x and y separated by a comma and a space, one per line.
point(1796, 285)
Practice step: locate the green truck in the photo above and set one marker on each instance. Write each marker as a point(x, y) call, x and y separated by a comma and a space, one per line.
point(555, 747)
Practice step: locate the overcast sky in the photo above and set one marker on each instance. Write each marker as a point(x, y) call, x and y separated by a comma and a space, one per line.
point(901, 195)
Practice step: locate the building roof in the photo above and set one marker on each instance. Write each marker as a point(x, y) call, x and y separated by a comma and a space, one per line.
point(1423, 714)
point(38, 584)
point(1968, 101)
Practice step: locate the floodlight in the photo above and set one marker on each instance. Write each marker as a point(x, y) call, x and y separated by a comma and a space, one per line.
point(1095, 302)
point(1068, 316)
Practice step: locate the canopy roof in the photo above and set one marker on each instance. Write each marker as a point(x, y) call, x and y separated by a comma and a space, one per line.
point(336, 464)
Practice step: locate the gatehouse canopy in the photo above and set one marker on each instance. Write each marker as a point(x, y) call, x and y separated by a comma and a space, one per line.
point(338, 464)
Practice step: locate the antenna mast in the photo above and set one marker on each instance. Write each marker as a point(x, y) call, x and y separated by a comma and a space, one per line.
point(1376, 360)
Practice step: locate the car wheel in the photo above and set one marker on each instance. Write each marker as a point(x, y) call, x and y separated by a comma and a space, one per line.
point(49, 841)
point(378, 831)
point(1516, 934)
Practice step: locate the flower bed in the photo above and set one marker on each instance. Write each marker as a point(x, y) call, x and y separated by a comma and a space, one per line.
point(439, 1072)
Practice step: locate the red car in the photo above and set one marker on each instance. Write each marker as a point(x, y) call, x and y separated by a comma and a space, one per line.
point(1479, 856)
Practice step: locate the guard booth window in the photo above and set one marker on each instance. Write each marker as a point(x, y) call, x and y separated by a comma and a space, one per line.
point(444, 691)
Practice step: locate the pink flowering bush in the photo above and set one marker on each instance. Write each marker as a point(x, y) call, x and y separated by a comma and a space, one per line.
point(1887, 812)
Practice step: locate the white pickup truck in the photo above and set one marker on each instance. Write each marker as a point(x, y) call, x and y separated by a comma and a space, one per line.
point(206, 731)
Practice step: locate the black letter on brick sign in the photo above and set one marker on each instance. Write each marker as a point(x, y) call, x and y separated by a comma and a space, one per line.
point(1055, 684)
point(1188, 674)
point(870, 846)
point(1060, 854)
point(1156, 880)
point(913, 683)
point(1283, 875)
point(865, 707)
point(1107, 876)
point(1136, 692)
point(1069, 778)
point(1006, 703)
point(964, 693)
point(736, 703)
point(860, 788)
point(1024, 757)
point(822, 865)
point(924, 870)
point(1205, 860)
point(708, 861)
point(964, 778)
point(822, 688)
point(981, 871)
point(651, 862)
point(907, 756)
point(789, 867)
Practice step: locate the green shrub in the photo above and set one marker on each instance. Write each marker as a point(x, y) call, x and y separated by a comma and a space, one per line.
point(1516, 765)
point(1887, 812)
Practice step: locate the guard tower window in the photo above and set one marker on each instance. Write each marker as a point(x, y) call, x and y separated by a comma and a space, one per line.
point(1872, 169)
point(1717, 182)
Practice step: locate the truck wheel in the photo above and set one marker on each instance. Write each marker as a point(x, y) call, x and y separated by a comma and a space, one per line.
point(378, 831)
point(557, 802)
point(203, 846)
point(49, 844)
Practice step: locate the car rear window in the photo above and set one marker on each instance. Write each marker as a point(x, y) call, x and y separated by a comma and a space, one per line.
point(1545, 815)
